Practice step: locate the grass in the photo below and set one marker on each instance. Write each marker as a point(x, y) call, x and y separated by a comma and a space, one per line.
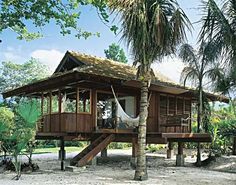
point(56, 149)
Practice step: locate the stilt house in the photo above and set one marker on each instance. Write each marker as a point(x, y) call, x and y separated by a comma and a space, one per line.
point(77, 103)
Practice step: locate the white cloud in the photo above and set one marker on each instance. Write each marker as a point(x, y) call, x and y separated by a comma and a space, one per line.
point(11, 56)
point(170, 67)
point(49, 57)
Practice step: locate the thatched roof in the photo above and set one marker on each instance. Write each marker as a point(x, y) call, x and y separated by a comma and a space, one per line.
point(75, 62)
point(109, 68)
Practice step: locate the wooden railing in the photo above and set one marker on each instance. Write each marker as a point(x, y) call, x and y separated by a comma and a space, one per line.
point(65, 122)
point(175, 123)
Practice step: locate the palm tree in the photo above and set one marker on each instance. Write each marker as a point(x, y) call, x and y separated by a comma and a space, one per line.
point(219, 26)
point(201, 65)
point(152, 29)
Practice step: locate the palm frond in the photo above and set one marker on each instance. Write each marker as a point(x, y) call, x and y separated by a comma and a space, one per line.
point(215, 24)
point(188, 74)
point(187, 54)
point(152, 29)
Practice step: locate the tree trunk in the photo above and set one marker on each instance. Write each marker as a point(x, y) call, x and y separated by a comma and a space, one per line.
point(141, 169)
point(234, 145)
point(199, 122)
point(200, 109)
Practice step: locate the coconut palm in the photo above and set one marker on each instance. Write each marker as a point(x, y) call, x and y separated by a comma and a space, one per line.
point(152, 29)
point(201, 66)
point(219, 26)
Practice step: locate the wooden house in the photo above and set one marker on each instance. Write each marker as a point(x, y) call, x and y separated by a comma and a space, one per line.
point(77, 104)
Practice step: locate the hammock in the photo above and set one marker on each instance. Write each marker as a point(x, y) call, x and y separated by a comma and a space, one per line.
point(121, 114)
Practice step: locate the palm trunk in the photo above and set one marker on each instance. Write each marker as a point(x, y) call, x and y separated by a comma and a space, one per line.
point(200, 107)
point(199, 122)
point(141, 169)
point(234, 145)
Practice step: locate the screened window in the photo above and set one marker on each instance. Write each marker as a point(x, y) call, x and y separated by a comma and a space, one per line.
point(84, 102)
point(187, 106)
point(180, 105)
point(172, 105)
point(163, 105)
point(55, 104)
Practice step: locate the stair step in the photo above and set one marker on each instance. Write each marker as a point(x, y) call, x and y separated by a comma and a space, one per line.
point(92, 150)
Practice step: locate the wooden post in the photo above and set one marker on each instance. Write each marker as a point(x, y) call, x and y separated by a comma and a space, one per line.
point(59, 108)
point(170, 151)
point(42, 103)
point(41, 122)
point(62, 153)
point(77, 108)
point(234, 145)
point(199, 161)
point(93, 107)
point(94, 160)
point(183, 105)
point(180, 156)
point(158, 113)
point(104, 153)
point(190, 114)
point(133, 161)
point(50, 111)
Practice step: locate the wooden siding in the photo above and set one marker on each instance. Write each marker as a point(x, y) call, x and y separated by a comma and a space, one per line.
point(166, 113)
point(152, 121)
point(51, 123)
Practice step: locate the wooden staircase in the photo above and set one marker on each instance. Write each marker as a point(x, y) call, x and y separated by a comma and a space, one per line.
point(92, 150)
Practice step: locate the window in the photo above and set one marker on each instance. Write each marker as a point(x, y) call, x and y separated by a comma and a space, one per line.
point(55, 104)
point(187, 106)
point(84, 102)
point(171, 105)
point(180, 105)
point(163, 105)
point(45, 107)
point(69, 105)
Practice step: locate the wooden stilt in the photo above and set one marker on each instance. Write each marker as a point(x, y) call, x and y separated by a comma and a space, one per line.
point(170, 151)
point(104, 153)
point(234, 145)
point(199, 161)
point(134, 152)
point(180, 156)
point(62, 153)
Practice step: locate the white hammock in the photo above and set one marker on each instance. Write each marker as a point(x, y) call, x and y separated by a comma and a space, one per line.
point(121, 114)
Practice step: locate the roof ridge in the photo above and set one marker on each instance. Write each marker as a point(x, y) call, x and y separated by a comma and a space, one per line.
point(102, 58)
point(158, 74)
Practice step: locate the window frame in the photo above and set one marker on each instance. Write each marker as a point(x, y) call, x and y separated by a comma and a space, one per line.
point(90, 99)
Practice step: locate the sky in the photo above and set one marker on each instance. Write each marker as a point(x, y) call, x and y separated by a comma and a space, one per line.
point(51, 48)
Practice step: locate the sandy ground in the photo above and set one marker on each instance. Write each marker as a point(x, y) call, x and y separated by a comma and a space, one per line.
point(116, 170)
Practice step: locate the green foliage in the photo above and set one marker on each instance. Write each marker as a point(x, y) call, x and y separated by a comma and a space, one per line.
point(154, 148)
point(16, 16)
point(114, 52)
point(222, 129)
point(117, 145)
point(6, 118)
point(21, 129)
point(201, 65)
point(55, 143)
point(151, 28)
point(13, 75)
point(6, 125)
point(219, 26)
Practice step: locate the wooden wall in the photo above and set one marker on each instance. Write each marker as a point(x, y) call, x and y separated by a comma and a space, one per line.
point(166, 113)
point(66, 122)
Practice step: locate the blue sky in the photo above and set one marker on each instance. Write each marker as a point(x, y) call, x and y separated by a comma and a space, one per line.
point(51, 48)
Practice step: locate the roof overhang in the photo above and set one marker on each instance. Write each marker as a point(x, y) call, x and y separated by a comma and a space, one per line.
point(71, 77)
